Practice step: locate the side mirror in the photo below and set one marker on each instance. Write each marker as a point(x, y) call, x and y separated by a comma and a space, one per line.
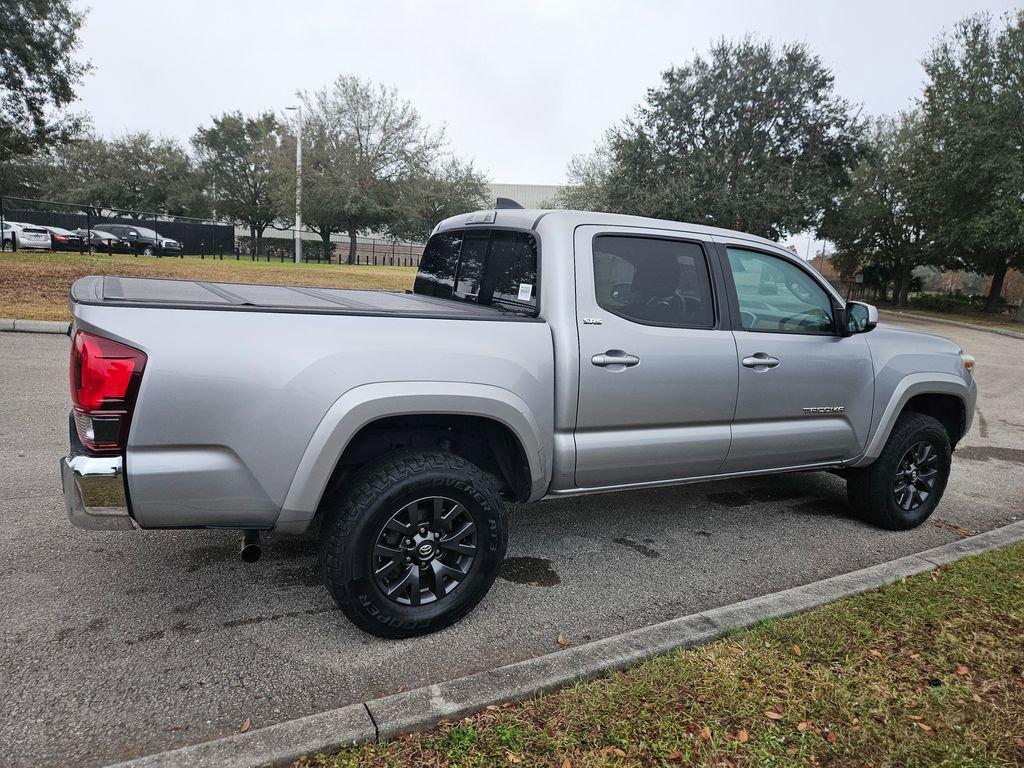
point(859, 317)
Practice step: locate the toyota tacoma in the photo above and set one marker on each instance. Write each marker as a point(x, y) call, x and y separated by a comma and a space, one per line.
point(539, 354)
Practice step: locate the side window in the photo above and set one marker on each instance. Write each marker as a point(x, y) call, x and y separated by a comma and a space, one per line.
point(777, 296)
point(653, 281)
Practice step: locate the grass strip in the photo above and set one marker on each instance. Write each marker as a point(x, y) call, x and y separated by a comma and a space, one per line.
point(925, 672)
point(34, 286)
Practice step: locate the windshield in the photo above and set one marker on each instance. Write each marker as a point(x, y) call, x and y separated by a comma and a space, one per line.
point(491, 267)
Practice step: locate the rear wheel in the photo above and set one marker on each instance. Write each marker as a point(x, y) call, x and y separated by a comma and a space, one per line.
point(905, 483)
point(414, 544)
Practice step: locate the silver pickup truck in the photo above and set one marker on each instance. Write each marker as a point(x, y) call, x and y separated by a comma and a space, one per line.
point(539, 354)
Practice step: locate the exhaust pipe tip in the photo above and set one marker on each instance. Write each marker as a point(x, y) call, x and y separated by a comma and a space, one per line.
point(251, 549)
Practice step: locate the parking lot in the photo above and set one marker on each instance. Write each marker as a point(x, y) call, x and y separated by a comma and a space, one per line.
point(121, 644)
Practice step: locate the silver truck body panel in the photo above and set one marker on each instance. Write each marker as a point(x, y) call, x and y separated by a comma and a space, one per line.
point(230, 400)
point(251, 393)
point(667, 417)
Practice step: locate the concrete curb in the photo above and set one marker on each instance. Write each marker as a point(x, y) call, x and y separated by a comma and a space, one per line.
point(421, 708)
point(14, 325)
point(940, 321)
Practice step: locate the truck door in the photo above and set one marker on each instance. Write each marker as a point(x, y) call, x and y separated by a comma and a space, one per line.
point(805, 393)
point(658, 368)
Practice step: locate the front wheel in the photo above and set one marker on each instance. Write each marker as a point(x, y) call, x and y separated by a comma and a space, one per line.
point(415, 543)
point(905, 483)
point(147, 251)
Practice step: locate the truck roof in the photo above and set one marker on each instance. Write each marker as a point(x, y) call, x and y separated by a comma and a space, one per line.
point(530, 218)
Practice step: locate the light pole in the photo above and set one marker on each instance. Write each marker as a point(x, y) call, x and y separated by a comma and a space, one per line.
point(298, 184)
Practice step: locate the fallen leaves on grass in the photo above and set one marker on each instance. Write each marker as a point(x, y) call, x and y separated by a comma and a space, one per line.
point(771, 714)
point(742, 736)
point(613, 751)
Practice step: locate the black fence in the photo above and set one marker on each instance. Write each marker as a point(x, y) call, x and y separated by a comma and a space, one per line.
point(194, 237)
point(370, 251)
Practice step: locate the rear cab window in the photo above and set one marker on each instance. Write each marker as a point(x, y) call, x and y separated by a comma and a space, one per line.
point(491, 267)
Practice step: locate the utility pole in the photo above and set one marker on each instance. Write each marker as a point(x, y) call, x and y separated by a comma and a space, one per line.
point(298, 184)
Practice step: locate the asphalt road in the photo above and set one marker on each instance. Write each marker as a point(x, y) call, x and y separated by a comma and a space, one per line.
point(114, 645)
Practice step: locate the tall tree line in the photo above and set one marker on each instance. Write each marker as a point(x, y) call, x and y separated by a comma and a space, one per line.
point(752, 136)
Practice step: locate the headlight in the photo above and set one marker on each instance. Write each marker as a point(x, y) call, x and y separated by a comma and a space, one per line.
point(968, 361)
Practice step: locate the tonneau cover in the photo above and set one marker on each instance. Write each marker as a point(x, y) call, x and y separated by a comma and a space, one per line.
point(187, 294)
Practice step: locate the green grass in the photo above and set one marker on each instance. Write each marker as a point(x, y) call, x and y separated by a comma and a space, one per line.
point(922, 673)
point(34, 286)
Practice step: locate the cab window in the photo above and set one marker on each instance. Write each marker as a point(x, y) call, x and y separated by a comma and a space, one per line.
point(653, 281)
point(491, 267)
point(777, 296)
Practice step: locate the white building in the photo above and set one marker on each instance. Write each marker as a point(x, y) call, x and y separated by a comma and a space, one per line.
point(527, 195)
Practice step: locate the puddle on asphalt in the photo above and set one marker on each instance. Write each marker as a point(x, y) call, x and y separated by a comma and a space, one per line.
point(638, 547)
point(533, 571)
point(985, 452)
point(760, 494)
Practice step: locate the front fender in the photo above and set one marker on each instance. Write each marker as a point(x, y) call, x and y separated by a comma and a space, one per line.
point(365, 404)
point(910, 386)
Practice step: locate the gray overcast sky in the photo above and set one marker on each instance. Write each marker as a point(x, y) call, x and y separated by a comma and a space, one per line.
point(521, 86)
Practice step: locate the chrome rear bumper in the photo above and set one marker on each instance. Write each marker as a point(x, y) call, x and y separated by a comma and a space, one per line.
point(94, 492)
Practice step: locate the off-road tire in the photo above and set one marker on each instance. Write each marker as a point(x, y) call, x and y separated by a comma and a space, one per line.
point(871, 489)
point(376, 492)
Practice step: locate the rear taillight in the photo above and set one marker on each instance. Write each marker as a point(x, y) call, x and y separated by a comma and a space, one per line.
point(105, 377)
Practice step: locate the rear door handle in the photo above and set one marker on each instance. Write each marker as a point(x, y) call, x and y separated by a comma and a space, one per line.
point(613, 358)
point(761, 361)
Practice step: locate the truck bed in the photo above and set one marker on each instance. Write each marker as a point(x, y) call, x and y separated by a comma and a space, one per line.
point(192, 294)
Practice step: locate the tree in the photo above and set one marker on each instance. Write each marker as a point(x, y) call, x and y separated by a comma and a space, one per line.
point(449, 188)
point(38, 75)
point(237, 154)
point(973, 109)
point(751, 138)
point(362, 145)
point(133, 173)
point(878, 222)
point(587, 177)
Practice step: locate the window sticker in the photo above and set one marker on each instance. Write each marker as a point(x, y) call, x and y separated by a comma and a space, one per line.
point(525, 291)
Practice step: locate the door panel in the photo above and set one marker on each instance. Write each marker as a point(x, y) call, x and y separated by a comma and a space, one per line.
point(655, 400)
point(805, 395)
point(771, 428)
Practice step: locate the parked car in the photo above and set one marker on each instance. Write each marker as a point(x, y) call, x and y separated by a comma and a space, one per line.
point(146, 241)
point(100, 240)
point(25, 236)
point(63, 239)
point(540, 354)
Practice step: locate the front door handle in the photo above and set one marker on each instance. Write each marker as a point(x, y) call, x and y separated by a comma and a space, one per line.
point(761, 361)
point(616, 359)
